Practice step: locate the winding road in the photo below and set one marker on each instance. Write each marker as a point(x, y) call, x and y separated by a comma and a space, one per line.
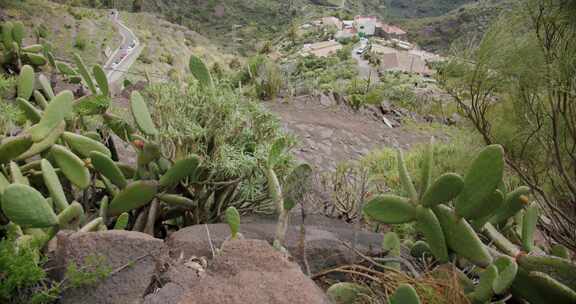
point(125, 55)
point(365, 69)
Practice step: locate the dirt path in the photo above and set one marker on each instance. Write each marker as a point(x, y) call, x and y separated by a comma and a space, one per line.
point(329, 133)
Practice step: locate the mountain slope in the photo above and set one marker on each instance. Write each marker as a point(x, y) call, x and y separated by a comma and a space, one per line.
point(468, 21)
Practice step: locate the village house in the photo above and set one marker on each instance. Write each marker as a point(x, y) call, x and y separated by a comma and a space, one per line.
point(389, 31)
point(365, 25)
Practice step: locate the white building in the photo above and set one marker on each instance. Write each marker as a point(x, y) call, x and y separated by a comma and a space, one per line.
point(365, 25)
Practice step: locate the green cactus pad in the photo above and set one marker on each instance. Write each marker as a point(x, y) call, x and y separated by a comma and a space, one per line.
point(45, 86)
point(420, 249)
point(34, 48)
point(560, 251)
point(70, 215)
point(180, 170)
point(101, 79)
point(83, 71)
point(529, 222)
point(390, 209)
point(491, 203)
point(141, 114)
point(30, 111)
point(427, 160)
point(108, 168)
point(514, 202)
point(540, 288)
point(57, 110)
point(560, 269)
point(429, 226)
point(120, 127)
point(122, 221)
point(461, 238)
point(54, 186)
point(65, 69)
point(103, 211)
point(346, 292)
point(72, 166)
point(405, 179)
point(44, 144)
point(233, 220)
point(26, 82)
point(507, 269)
point(177, 200)
point(16, 174)
point(34, 59)
point(84, 145)
point(18, 32)
point(391, 244)
point(27, 207)
point(7, 38)
point(127, 170)
point(483, 292)
point(444, 189)
point(135, 195)
point(480, 181)
point(149, 153)
point(405, 294)
point(3, 184)
point(13, 147)
point(40, 100)
point(200, 71)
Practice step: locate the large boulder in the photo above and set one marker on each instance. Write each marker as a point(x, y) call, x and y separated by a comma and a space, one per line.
point(324, 246)
point(131, 256)
point(244, 271)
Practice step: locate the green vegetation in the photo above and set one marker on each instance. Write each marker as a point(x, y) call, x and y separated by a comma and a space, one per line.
point(515, 87)
point(438, 33)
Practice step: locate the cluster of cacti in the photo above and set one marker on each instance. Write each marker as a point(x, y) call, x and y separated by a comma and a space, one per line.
point(14, 53)
point(455, 214)
point(56, 160)
point(285, 196)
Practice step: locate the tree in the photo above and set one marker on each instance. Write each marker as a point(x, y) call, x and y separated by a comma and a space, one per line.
point(517, 87)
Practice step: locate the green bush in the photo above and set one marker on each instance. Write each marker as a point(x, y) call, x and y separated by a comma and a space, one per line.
point(81, 42)
point(230, 133)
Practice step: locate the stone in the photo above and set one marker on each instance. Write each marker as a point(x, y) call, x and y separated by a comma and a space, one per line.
point(324, 245)
point(131, 255)
point(245, 271)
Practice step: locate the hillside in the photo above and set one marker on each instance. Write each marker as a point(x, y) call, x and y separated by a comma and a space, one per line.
point(69, 29)
point(470, 20)
point(238, 25)
point(90, 33)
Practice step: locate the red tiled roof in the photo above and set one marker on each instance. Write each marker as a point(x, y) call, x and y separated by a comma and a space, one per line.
point(391, 29)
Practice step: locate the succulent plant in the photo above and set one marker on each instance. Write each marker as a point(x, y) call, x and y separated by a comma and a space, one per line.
point(346, 292)
point(15, 54)
point(233, 220)
point(404, 294)
point(200, 71)
point(457, 214)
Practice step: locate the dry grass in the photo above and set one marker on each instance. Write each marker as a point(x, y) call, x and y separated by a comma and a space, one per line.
point(439, 285)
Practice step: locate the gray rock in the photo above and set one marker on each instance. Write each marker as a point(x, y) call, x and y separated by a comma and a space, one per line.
point(324, 245)
point(132, 256)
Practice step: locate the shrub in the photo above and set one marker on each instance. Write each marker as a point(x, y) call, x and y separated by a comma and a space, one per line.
point(81, 42)
point(229, 132)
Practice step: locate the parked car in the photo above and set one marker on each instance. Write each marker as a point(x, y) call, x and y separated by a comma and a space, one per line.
point(132, 45)
point(361, 50)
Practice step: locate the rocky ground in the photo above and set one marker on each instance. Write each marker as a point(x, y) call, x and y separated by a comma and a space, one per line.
point(330, 132)
point(199, 264)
